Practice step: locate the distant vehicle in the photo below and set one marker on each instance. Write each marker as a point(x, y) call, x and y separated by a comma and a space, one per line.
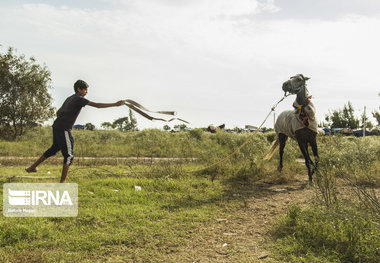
point(327, 131)
point(359, 133)
point(347, 131)
point(78, 127)
point(343, 131)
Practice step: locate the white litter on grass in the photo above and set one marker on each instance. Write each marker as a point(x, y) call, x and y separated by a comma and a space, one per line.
point(116, 190)
point(279, 190)
point(137, 188)
point(224, 245)
point(48, 172)
point(229, 234)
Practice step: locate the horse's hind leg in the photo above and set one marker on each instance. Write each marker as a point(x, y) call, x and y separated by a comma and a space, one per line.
point(282, 138)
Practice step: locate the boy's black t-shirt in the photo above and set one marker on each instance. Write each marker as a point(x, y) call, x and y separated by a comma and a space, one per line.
point(69, 112)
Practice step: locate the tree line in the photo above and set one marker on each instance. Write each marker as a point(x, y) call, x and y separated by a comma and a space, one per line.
point(121, 124)
point(25, 101)
point(345, 118)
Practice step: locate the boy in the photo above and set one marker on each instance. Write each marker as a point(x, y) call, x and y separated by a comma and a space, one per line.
point(66, 116)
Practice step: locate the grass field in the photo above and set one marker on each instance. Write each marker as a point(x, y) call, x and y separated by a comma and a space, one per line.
point(115, 222)
point(249, 213)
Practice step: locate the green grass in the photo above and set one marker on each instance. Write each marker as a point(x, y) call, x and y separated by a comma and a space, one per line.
point(148, 143)
point(118, 224)
point(341, 234)
point(114, 221)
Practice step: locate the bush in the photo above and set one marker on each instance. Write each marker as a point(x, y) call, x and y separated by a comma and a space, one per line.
point(342, 234)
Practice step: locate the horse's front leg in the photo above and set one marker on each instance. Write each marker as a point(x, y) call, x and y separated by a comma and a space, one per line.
point(314, 148)
point(282, 138)
point(308, 162)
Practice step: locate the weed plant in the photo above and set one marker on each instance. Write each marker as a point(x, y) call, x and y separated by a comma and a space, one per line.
point(343, 226)
point(342, 234)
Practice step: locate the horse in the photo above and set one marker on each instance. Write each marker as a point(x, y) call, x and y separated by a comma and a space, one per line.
point(299, 124)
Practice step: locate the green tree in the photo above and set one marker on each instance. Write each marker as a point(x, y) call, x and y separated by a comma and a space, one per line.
point(132, 126)
point(107, 125)
point(24, 97)
point(265, 129)
point(121, 123)
point(89, 126)
point(344, 118)
point(126, 123)
point(366, 121)
point(376, 115)
point(180, 127)
point(167, 128)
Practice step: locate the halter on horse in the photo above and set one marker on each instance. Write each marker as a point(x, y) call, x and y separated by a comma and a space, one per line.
point(299, 124)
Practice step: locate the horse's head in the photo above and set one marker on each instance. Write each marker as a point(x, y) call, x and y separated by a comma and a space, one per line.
point(295, 84)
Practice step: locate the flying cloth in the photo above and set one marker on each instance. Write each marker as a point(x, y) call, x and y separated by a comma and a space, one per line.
point(139, 109)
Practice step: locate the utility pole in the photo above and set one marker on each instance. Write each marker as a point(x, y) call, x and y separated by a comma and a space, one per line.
point(274, 118)
point(365, 122)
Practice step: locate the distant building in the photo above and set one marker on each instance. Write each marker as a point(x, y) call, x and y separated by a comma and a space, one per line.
point(251, 128)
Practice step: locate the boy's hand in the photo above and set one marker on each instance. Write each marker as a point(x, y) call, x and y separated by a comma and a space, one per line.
point(120, 102)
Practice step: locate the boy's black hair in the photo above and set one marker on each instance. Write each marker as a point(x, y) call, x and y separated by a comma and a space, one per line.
point(80, 84)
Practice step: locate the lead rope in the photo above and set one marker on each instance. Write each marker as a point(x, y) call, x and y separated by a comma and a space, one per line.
point(244, 144)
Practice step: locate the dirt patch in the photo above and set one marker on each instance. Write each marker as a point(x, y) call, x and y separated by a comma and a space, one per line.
point(241, 233)
point(80, 160)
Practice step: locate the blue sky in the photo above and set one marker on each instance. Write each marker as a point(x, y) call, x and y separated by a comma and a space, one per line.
point(212, 61)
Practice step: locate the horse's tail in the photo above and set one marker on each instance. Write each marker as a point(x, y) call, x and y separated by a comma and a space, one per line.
point(275, 144)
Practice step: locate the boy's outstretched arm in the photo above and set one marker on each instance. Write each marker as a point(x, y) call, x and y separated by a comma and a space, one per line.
point(106, 105)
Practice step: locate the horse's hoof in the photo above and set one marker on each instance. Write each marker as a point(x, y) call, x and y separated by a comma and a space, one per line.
point(311, 183)
point(279, 169)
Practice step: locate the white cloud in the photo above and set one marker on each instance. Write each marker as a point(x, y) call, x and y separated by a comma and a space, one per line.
point(212, 61)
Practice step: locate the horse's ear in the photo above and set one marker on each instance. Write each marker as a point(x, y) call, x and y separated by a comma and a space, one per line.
point(306, 78)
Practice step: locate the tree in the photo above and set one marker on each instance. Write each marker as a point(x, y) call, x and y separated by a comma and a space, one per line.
point(265, 129)
point(24, 96)
point(180, 127)
point(343, 118)
point(89, 126)
point(376, 115)
point(366, 121)
point(167, 128)
point(107, 125)
point(126, 123)
point(132, 126)
point(121, 123)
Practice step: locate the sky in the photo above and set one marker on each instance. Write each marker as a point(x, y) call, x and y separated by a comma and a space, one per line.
point(211, 61)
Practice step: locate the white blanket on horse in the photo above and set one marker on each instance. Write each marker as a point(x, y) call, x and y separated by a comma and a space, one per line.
point(288, 122)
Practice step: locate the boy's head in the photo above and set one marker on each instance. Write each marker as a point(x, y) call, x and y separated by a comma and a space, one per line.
point(80, 85)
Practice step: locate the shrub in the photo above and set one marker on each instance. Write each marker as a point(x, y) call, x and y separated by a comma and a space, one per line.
point(342, 234)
